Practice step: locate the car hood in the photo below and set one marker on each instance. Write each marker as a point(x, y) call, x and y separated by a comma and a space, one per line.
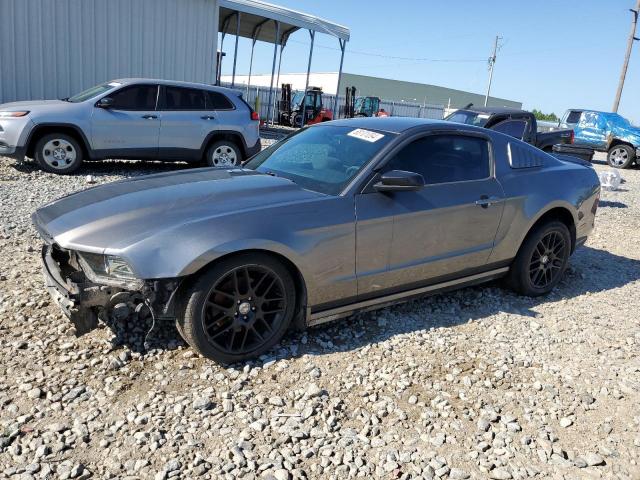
point(118, 215)
point(630, 133)
point(31, 104)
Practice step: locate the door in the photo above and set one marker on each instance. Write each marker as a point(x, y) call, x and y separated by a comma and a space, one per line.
point(443, 231)
point(591, 131)
point(186, 122)
point(131, 126)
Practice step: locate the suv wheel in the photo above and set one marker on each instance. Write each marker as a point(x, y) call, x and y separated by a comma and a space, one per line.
point(541, 261)
point(239, 308)
point(224, 153)
point(621, 156)
point(58, 153)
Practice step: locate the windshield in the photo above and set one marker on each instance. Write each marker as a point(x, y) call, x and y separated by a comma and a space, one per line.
point(323, 158)
point(297, 99)
point(93, 92)
point(470, 118)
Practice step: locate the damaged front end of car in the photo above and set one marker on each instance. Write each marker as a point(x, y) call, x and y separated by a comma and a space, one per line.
point(90, 287)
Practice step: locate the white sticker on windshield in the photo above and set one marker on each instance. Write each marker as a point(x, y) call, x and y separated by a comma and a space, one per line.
point(366, 135)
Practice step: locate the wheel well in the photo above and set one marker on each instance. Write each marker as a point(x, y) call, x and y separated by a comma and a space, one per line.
point(616, 141)
point(560, 214)
point(299, 321)
point(40, 132)
point(232, 137)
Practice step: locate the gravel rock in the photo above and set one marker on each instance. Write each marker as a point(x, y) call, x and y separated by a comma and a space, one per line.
point(593, 459)
point(478, 383)
point(202, 403)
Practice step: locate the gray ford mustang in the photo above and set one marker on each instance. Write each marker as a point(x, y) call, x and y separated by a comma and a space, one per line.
point(337, 218)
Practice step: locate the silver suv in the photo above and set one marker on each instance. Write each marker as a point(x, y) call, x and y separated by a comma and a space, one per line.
point(134, 119)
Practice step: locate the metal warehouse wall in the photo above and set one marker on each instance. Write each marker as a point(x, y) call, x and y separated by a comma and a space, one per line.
point(399, 90)
point(54, 48)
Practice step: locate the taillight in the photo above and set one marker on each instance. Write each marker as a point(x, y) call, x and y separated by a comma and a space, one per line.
point(255, 117)
point(572, 137)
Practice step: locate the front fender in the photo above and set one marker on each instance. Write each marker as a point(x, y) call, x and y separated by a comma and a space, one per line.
point(235, 246)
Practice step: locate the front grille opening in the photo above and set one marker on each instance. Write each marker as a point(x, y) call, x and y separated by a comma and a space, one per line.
point(68, 263)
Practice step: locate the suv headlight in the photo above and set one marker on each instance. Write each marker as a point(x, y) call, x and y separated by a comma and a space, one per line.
point(22, 113)
point(108, 269)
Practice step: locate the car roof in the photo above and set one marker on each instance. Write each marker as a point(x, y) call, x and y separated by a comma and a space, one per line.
point(392, 124)
point(175, 83)
point(494, 110)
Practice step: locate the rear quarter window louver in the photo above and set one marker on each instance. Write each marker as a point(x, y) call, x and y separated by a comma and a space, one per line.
point(520, 157)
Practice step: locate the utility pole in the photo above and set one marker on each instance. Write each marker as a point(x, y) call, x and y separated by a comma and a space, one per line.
point(625, 65)
point(492, 62)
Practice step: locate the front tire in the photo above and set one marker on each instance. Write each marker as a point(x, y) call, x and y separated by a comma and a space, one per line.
point(224, 154)
point(239, 308)
point(621, 156)
point(58, 153)
point(541, 261)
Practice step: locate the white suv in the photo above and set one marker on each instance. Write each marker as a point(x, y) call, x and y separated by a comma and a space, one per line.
point(134, 119)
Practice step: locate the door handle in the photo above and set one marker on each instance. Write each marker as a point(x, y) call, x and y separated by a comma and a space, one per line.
point(486, 201)
point(150, 117)
point(208, 117)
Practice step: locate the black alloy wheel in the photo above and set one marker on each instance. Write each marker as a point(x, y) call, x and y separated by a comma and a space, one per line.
point(547, 260)
point(244, 309)
point(238, 308)
point(541, 260)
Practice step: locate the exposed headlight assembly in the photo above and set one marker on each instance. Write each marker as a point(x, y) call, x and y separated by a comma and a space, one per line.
point(109, 270)
point(22, 113)
point(117, 267)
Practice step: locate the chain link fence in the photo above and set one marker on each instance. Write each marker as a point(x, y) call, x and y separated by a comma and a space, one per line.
point(395, 109)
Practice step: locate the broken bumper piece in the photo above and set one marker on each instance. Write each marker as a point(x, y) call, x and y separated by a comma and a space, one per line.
point(78, 298)
point(84, 301)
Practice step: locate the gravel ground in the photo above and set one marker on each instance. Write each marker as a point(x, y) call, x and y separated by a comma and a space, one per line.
point(479, 383)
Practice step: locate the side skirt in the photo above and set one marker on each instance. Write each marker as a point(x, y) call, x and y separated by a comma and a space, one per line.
point(384, 301)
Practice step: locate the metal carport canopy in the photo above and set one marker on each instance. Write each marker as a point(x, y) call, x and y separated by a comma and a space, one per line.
point(255, 13)
point(274, 24)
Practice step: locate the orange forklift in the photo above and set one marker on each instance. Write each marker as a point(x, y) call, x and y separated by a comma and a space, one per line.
point(290, 108)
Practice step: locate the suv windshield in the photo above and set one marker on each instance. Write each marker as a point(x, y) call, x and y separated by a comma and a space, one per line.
point(470, 118)
point(322, 158)
point(93, 92)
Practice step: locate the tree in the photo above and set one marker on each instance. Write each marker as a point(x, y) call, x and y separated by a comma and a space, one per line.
point(549, 117)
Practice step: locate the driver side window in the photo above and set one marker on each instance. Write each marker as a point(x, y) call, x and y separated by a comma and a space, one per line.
point(136, 98)
point(444, 159)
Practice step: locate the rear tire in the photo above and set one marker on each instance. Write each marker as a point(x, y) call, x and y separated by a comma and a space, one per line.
point(224, 154)
point(541, 260)
point(58, 153)
point(621, 156)
point(238, 309)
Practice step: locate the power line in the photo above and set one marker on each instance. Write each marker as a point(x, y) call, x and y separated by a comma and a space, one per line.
point(394, 57)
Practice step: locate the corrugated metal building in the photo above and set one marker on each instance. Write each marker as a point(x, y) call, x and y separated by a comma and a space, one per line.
point(385, 88)
point(55, 48)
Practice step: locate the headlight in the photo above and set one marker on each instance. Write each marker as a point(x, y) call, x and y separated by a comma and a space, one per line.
point(117, 267)
point(108, 269)
point(14, 114)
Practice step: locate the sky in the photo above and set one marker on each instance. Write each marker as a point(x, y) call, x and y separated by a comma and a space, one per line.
point(554, 54)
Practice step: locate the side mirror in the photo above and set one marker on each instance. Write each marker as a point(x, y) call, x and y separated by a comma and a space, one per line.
point(106, 102)
point(399, 181)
